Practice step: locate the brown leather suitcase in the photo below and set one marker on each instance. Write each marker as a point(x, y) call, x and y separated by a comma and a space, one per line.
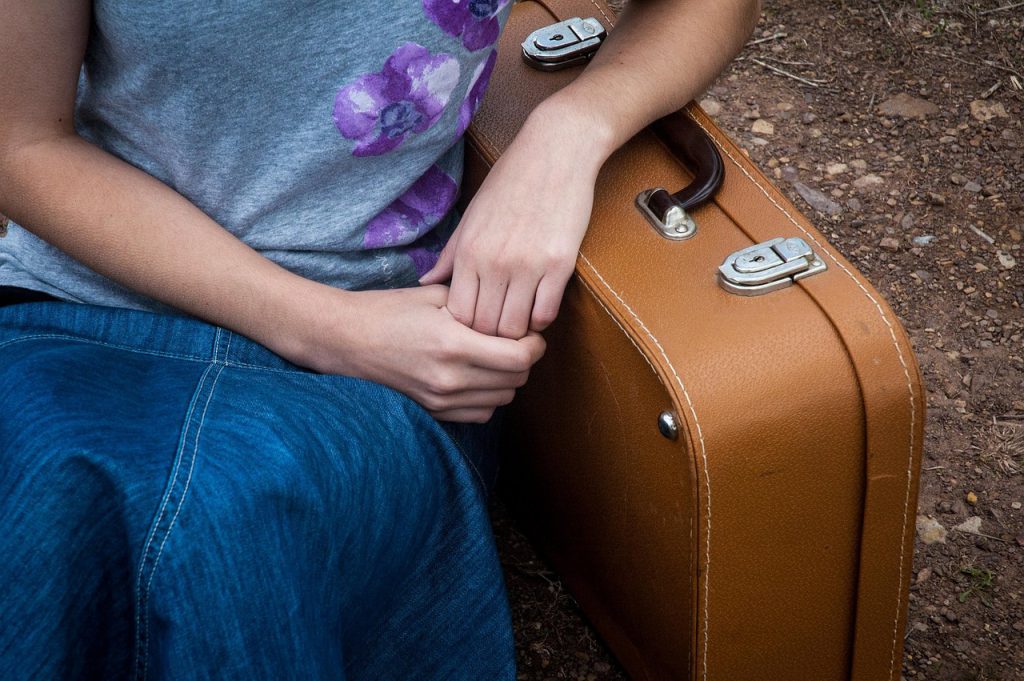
point(726, 482)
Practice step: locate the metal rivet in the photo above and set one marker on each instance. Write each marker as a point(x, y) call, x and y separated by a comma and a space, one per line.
point(667, 425)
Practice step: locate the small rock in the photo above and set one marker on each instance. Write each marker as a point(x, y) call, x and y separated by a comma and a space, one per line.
point(859, 164)
point(923, 240)
point(711, 107)
point(867, 181)
point(972, 498)
point(985, 111)
point(808, 118)
point(930, 530)
point(907, 223)
point(923, 575)
point(854, 204)
point(907, 106)
point(972, 525)
point(936, 199)
point(763, 127)
point(951, 616)
point(836, 168)
point(889, 244)
point(958, 179)
point(1015, 505)
point(972, 187)
point(817, 200)
point(1006, 261)
point(980, 267)
point(790, 174)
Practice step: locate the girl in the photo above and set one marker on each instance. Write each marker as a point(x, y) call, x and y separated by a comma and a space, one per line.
point(241, 401)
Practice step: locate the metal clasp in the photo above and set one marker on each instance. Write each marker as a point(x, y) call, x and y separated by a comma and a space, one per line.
point(566, 43)
point(769, 266)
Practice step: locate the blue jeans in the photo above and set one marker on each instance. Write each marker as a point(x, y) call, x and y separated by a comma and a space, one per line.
point(177, 502)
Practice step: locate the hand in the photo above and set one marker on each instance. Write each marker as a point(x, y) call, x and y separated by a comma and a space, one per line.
point(407, 339)
point(514, 251)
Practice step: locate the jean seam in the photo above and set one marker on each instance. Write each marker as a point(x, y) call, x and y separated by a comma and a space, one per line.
point(142, 592)
point(91, 341)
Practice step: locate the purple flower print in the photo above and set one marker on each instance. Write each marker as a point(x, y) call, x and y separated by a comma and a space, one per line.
point(379, 110)
point(475, 21)
point(413, 213)
point(477, 88)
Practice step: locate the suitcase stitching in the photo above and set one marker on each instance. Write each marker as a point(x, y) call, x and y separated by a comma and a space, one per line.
point(903, 363)
point(703, 449)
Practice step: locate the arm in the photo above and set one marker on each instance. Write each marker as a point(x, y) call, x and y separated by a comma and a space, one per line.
point(514, 251)
point(128, 226)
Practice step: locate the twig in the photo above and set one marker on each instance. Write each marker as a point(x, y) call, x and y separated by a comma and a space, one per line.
point(991, 91)
point(787, 74)
point(986, 237)
point(981, 534)
point(886, 17)
point(1004, 8)
point(777, 36)
point(934, 468)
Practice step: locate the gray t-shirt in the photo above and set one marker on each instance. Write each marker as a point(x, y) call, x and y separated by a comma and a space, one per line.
point(324, 134)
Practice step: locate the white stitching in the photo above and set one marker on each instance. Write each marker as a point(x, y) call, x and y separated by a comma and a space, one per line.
point(177, 511)
point(601, 10)
point(700, 436)
point(906, 372)
point(90, 341)
point(156, 525)
point(626, 333)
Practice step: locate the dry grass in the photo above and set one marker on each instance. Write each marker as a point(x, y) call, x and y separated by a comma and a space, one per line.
point(1001, 446)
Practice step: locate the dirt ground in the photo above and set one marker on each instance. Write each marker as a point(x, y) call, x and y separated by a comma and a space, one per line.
point(899, 128)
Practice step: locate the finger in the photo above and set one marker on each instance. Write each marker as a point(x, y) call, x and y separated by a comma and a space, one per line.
point(501, 354)
point(489, 302)
point(462, 295)
point(442, 269)
point(515, 312)
point(548, 300)
point(474, 378)
point(464, 415)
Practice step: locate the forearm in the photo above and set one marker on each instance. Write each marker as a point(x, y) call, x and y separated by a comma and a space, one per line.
point(660, 55)
point(128, 226)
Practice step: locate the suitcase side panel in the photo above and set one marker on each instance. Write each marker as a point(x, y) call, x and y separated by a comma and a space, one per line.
point(616, 521)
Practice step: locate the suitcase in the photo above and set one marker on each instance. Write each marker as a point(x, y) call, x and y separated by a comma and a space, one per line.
point(725, 482)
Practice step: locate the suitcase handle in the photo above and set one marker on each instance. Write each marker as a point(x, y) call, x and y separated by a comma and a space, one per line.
point(691, 145)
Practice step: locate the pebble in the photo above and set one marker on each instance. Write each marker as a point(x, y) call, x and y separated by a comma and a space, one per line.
point(972, 525)
point(867, 181)
point(890, 244)
point(763, 127)
point(711, 107)
point(985, 111)
point(923, 240)
point(972, 499)
point(836, 168)
point(958, 179)
point(1015, 505)
point(817, 200)
point(972, 187)
point(859, 164)
point(923, 576)
point(1006, 261)
point(907, 223)
point(854, 204)
point(930, 530)
point(790, 174)
point(936, 199)
point(907, 106)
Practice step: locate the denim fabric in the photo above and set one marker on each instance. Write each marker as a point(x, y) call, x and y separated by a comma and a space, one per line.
point(176, 502)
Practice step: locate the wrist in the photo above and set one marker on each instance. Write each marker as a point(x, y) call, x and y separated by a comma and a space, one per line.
point(302, 318)
point(566, 122)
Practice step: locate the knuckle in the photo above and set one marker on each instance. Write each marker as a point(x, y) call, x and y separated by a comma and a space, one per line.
point(445, 383)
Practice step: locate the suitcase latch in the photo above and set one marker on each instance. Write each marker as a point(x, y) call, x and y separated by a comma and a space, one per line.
point(564, 44)
point(769, 266)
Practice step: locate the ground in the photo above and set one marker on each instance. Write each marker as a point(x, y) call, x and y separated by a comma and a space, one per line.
point(899, 128)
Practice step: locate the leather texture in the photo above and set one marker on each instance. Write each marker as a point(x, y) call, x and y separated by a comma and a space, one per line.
point(773, 539)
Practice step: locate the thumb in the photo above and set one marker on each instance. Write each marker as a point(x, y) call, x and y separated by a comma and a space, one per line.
point(442, 270)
